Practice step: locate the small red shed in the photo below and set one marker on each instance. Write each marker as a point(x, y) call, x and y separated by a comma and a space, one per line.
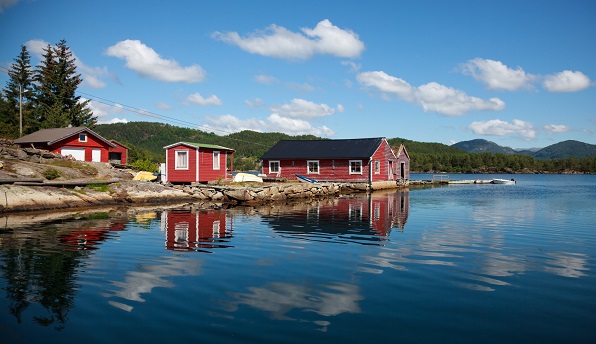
point(188, 162)
point(349, 160)
point(119, 154)
point(81, 143)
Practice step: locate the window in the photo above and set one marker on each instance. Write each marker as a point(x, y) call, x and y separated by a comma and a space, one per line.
point(216, 160)
point(82, 137)
point(355, 166)
point(181, 160)
point(274, 166)
point(377, 167)
point(313, 166)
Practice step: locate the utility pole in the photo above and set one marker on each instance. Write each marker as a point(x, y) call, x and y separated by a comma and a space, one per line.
point(21, 109)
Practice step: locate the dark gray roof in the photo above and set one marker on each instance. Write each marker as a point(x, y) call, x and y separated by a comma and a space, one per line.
point(50, 136)
point(324, 149)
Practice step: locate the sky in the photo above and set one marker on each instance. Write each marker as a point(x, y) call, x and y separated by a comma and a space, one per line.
point(519, 73)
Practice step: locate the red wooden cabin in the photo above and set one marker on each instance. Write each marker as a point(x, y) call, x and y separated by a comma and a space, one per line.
point(188, 162)
point(349, 160)
point(81, 143)
point(189, 230)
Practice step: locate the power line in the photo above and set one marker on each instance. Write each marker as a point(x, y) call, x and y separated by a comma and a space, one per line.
point(152, 114)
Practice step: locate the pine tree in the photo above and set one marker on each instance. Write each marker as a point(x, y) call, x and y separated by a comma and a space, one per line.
point(56, 80)
point(18, 95)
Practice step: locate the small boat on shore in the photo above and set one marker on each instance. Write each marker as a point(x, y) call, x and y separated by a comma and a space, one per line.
point(247, 177)
point(305, 179)
point(503, 181)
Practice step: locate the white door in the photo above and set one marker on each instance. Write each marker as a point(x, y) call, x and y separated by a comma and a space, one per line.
point(77, 153)
point(96, 155)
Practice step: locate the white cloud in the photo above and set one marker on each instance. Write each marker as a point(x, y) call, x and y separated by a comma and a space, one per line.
point(105, 111)
point(265, 79)
point(340, 108)
point(6, 4)
point(163, 106)
point(279, 42)
point(198, 99)
point(566, 81)
point(257, 103)
point(91, 75)
point(275, 123)
point(300, 87)
point(556, 128)
point(432, 96)
point(496, 75)
point(145, 61)
point(496, 127)
point(354, 67)
point(302, 109)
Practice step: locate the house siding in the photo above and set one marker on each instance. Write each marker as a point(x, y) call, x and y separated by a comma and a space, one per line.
point(92, 143)
point(120, 149)
point(200, 165)
point(338, 169)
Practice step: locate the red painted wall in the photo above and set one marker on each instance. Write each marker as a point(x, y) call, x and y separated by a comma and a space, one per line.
point(92, 143)
point(339, 169)
point(403, 157)
point(205, 165)
point(120, 149)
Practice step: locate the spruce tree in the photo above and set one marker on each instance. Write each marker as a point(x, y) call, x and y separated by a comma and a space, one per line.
point(57, 104)
point(18, 94)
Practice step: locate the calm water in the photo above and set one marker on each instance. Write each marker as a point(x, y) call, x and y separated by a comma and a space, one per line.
point(459, 263)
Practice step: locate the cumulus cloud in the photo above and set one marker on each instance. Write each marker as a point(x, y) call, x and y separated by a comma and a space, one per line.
point(302, 109)
point(279, 42)
point(432, 96)
point(92, 76)
point(566, 81)
point(274, 123)
point(105, 112)
point(198, 99)
point(265, 79)
point(496, 127)
point(496, 75)
point(148, 63)
point(556, 128)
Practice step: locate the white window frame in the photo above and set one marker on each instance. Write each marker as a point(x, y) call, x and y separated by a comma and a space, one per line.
point(377, 166)
point(216, 160)
point(83, 137)
point(359, 163)
point(315, 163)
point(177, 154)
point(271, 163)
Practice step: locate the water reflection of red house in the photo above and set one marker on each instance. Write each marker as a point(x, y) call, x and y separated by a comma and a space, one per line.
point(189, 230)
point(90, 238)
point(372, 214)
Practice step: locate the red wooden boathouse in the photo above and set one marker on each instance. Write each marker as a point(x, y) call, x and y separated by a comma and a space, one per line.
point(365, 160)
point(188, 162)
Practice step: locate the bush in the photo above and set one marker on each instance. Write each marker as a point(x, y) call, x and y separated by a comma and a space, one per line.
point(145, 165)
point(51, 174)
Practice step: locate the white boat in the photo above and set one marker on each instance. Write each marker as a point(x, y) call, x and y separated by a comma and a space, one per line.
point(247, 177)
point(503, 181)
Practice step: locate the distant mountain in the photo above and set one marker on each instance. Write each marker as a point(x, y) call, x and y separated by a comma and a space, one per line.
point(561, 150)
point(566, 149)
point(483, 146)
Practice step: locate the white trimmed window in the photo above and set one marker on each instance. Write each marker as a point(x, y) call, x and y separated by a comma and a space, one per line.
point(82, 137)
point(355, 166)
point(377, 167)
point(274, 166)
point(181, 160)
point(313, 166)
point(216, 160)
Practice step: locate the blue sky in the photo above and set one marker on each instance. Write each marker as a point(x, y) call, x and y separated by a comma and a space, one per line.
point(518, 73)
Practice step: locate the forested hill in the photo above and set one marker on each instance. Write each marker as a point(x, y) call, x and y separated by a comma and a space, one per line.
point(150, 138)
point(561, 150)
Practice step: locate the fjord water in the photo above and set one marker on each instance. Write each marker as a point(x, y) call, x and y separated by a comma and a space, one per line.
point(455, 263)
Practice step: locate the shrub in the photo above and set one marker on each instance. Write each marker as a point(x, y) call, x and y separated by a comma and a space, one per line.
point(51, 174)
point(145, 165)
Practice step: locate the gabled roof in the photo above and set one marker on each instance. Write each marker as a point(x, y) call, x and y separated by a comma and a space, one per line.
point(51, 136)
point(324, 149)
point(199, 145)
